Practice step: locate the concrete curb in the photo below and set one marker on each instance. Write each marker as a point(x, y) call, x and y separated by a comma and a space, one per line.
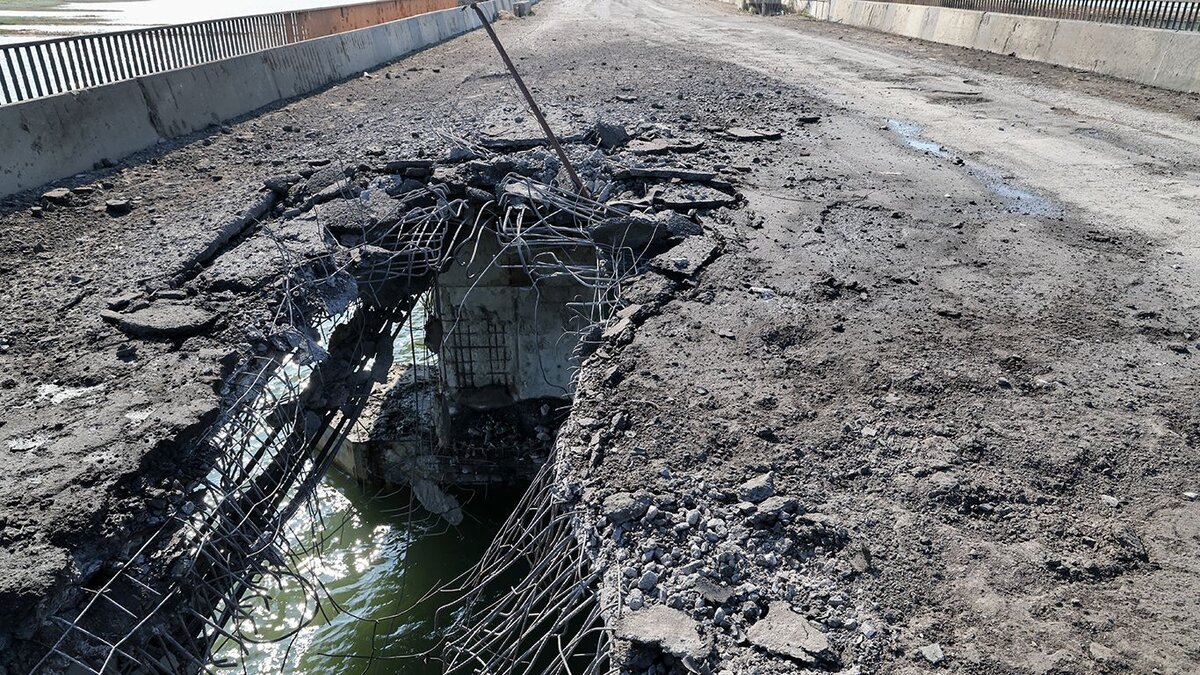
point(1157, 57)
point(51, 138)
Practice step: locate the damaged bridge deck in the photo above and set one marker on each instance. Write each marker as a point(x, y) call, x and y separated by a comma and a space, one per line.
point(916, 388)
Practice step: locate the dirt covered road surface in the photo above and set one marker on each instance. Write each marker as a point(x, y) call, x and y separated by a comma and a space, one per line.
point(925, 398)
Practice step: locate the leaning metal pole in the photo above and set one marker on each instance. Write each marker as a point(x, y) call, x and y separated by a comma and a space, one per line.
point(537, 111)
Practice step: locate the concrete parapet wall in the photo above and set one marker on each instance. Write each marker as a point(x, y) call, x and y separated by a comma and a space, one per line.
point(1162, 58)
point(51, 138)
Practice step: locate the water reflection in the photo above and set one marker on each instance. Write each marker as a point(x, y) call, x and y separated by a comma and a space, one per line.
point(38, 19)
point(372, 558)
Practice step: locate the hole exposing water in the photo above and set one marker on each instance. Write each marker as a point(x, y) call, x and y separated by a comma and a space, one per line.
point(372, 559)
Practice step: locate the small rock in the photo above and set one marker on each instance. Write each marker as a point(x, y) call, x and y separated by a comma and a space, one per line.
point(118, 207)
point(461, 154)
point(1101, 653)
point(1179, 348)
point(933, 653)
point(948, 312)
point(610, 135)
point(623, 507)
point(713, 592)
point(1191, 496)
point(662, 146)
point(1111, 501)
point(648, 581)
point(757, 489)
point(57, 197)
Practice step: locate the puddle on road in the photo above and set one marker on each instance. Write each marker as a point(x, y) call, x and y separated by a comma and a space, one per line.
point(1015, 198)
point(910, 134)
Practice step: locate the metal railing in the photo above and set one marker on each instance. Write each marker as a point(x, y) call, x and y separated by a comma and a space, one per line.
point(1145, 13)
point(30, 70)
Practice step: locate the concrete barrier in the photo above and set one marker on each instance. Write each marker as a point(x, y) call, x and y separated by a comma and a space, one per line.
point(1161, 58)
point(51, 138)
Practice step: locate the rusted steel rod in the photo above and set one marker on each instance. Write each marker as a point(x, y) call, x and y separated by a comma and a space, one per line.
point(537, 111)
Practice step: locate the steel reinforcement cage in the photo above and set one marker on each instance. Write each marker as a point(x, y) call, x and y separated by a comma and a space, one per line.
point(30, 70)
point(1162, 14)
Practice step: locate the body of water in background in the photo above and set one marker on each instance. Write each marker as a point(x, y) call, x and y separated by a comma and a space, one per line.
point(24, 20)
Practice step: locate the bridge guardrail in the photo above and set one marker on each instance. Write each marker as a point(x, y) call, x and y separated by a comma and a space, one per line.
point(1164, 14)
point(41, 68)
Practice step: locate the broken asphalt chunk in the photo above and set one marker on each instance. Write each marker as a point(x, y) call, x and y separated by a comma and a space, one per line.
point(610, 135)
point(118, 207)
point(57, 197)
point(280, 185)
point(666, 172)
point(662, 146)
point(670, 630)
point(750, 135)
point(688, 196)
point(785, 633)
point(161, 321)
point(686, 259)
point(638, 233)
point(757, 489)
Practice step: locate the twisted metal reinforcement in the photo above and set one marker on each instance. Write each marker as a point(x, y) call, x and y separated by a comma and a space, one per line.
point(165, 606)
point(531, 604)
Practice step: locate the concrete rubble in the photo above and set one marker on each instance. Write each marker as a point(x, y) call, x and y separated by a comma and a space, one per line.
point(858, 409)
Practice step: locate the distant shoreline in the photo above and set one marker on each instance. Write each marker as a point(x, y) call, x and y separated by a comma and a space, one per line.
point(16, 26)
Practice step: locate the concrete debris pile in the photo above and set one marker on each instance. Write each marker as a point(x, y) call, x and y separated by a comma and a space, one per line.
point(725, 564)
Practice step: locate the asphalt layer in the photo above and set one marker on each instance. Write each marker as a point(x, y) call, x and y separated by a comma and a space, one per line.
point(954, 322)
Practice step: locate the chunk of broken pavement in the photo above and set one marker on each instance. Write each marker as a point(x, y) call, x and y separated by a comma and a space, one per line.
point(57, 196)
point(161, 320)
point(686, 259)
point(118, 207)
point(637, 233)
point(661, 146)
point(280, 185)
point(679, 225)
point(744, 134)
point(623, 507)
point(666, 173)
point(688, 196)
point(785, 633)
point(757, 489)
point(772, 509)
point(713, 592)
point(610, 135)
point(670, 630)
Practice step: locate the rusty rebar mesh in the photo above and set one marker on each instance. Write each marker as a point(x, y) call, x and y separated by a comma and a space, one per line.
point(198, 577)
point(530, 605)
